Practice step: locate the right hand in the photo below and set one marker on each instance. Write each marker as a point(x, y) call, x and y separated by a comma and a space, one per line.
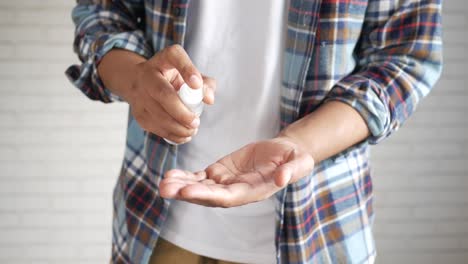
point(152, 94)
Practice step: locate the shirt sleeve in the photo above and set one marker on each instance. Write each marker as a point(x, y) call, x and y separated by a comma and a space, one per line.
point(399, 59)
point(100, 26)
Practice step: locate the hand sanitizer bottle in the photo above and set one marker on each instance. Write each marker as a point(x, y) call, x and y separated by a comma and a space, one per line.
point(193, 99)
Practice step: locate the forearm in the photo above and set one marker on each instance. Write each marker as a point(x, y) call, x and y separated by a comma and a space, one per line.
point(332, 128)
point(117, 70)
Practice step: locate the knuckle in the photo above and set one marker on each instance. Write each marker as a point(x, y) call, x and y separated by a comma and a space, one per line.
point(187, 68)
point(158, 56)
point(174, 49)
point(189, 119)
point(184, 118)
point(187, 132)
point(174, 138)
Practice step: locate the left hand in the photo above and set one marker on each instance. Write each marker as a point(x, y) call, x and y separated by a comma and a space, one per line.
point(250, 174)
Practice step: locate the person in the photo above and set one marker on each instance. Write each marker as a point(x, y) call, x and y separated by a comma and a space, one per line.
point(277, 169)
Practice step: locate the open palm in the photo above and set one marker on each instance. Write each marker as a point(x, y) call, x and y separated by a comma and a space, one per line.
point(250, 174)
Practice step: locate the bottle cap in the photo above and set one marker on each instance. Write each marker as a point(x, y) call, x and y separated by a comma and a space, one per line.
point(189, 95)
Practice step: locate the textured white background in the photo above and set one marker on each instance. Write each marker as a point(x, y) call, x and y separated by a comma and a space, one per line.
point(60, 153)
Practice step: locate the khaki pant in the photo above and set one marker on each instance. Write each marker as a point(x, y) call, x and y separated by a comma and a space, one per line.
point(168, 253)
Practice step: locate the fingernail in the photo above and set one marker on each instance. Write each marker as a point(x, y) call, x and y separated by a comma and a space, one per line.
point(187, 139)
point(195, 123)
point(196, 81)
point(195, 131)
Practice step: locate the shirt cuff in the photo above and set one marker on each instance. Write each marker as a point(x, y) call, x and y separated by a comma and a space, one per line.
point(86, 77)
point(361, 93)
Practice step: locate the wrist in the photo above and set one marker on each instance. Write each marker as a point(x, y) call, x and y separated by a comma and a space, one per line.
point(286, 135)
point(118, 70)
point(299, 134)
point(133, 72)
point(290, 136)
point(329, 130)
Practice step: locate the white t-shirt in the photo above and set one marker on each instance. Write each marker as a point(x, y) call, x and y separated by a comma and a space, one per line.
point(240, 43)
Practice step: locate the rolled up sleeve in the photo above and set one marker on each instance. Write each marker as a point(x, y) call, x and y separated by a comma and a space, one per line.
point(399, 61)
point(99, 27)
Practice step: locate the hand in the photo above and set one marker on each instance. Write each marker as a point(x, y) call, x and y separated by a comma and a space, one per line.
point(150, 87)
point(250, 174)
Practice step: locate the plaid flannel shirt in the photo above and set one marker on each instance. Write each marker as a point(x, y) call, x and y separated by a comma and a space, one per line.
point(379, 56)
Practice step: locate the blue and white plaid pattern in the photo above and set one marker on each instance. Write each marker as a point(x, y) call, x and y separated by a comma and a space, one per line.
point(379, 56)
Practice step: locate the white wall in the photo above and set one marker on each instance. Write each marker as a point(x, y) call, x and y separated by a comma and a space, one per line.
point(421, 173)
point(60, 152)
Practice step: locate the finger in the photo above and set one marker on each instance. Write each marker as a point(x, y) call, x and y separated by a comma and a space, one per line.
point(176, 140)
point(216, 195)
point(160, 118)
point(175, 57)
point(168, 135)
point(209, 85)
point(298, 165)
point(175, 180)
point(219, 173)
point(208, 181)
point(146, 120)
point(165, 94)
point(283, 176)
point(177, 82)
point(143, 118)
point(186, 175)
point(170, 188)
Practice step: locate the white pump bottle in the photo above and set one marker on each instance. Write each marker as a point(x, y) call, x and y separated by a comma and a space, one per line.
point(192, 99)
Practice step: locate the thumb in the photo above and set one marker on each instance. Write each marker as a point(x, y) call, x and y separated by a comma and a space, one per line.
point(209, 85)
point(176, 57)
point(298, 165)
